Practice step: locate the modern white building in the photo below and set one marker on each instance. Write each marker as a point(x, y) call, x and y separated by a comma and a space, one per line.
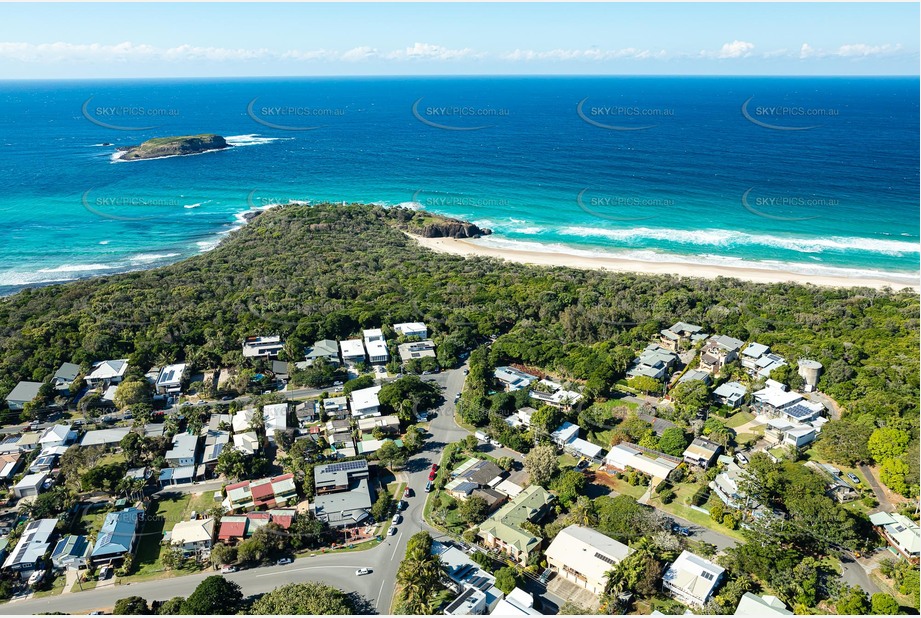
point(247, 442)
point(57, 435)
point(30, 485)
point(765, 605)
point(193, 537)
point(107, 373)
point(584, 556)
point(183, 451)
point(243, 420)
point(262, 347)
point(565, 433)
point(353, 350)
point(411, 329)
point(365, 402)
point(377, 351)
point(516, 603)
point(33, 544)
point(692, 579)
point(276, 419)
point(169, 380)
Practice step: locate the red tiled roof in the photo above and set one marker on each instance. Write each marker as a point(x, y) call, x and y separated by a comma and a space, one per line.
point(283, 477)
point(237, 485)
point(232, 530)
point(262, 492)
point(258, 515)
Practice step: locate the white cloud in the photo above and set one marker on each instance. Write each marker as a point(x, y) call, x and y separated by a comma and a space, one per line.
point(736, 49)
point(806, 50)
point(582, 54)
point(862, 50)
point(427, 51)
point(358, 53)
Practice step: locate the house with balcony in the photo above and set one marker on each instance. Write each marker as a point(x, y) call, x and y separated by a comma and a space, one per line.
point(692, 579)
point(902, 533)
point(718, 351)
point(107, 373)
point(680, 336)
point(117, 536)
point(353, 351)
point(730, 394)
point(584, 556)
point(365, 402)
point(653, 362)
point(194, 538)
point(266, 347)
point(503, 530)
point(169, 380)
point(65, 376)
point(327, 349)
point(702, 453)
point(343, 495)
point(22, 393)
point(411, 329)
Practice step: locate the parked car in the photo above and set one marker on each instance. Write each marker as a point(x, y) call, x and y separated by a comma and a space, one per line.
point(392, 531)
point(229, 568)
point(363, 571)
point(337, 383)
point(434, 467)
point(407, 493)
point(227, 398)
point(429, 487)
point(466, 371)
point(682, 530)
point(854, 478)
point(105, 572)
point(396, 519)
point(401, 505)
point(582, 465)
point(432, 475)
point(284, 561)
point(36, 578)
point(742, 459)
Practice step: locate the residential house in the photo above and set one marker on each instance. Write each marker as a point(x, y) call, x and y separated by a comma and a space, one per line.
point(236, 527)
point(169, 380)
point(117, 536)
point(902, 533)
point(513, 379)
point(726, 486)
point(30, 485)
point(107, 373)
point(368, 445)
point(476, 589)
point(262, 347)
point(730, 394)
point(692, 579)
point(365, 402)
point(281, 370)
point(57, 435)
point(474, 474)
point(22, 393)
point(177, 476)
point(695, 374)
point(306, 412)
point(28, 441)
point(765, 605)
point(31, 547)
point(377, 351)
point(653, 362)
point(560, 399)
point(274, 492)
point(564, 434)
point(194, 538)
point(276, 419)
point(521, 417)
point(327, 349)
point(626, 456)
point(71, 552)
point(248, 442)
point(702, 453)
point(336, 408)
point(47, 460)
point(183, 452)
point(415, 350)
point(343, 494)
point(216, 441)
point(503, 530)
point(353, 351)
point(389, 424)
point(243, 420)
point(516, 603)
point(783, 431)
point(584, 448)
point(718, 351)
point(239, 497)
point(680, 335)
point(470, 602)
point(10, 463)
point(338, 431)
point(584, 556)
point(804, 412)
point(411, 329)
point(752, 352)
point(773, 399)
point(108, 395)
point(65, 376)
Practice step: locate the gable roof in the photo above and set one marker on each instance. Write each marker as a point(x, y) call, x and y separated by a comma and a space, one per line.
point(505, 524)
point(192, 531)
point(67, 372)
point(693, 575)
point(108, 369)
point(588, 551)
point(24, 391)
point(117, 533)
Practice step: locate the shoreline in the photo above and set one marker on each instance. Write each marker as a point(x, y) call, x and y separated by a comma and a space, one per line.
point(466, 247)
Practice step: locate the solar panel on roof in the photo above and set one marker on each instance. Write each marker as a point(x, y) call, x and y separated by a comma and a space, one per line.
point(798, 411)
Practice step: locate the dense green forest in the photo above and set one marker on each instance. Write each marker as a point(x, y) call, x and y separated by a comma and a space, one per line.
point(309, 272)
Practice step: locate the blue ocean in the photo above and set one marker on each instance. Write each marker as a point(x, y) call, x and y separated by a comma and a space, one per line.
point(813, 175)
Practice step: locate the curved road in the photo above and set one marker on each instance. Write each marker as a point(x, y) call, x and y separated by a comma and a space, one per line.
point(336, 570)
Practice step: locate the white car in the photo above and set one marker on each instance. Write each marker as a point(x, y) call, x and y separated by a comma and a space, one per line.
point(392, 531)
point(397, 519)
point(229, 569)
point(363, 571)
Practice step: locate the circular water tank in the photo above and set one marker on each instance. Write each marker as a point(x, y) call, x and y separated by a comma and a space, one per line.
point(810, 370)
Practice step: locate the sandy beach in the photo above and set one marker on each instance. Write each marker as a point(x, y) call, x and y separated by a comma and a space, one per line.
point(475, 247)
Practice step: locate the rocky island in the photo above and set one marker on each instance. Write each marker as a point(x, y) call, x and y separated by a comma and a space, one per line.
point(159, 147)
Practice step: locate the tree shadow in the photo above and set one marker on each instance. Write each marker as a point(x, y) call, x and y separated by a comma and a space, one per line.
point(360, 605)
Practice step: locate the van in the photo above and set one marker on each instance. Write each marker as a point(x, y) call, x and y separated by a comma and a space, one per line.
point(482, 437)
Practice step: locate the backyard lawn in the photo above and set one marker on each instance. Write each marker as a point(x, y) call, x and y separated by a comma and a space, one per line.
point(738, 419)
point(162, 515)
point(680, 507)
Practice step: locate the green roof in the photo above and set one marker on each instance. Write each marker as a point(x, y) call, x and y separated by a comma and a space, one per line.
point(506, 523)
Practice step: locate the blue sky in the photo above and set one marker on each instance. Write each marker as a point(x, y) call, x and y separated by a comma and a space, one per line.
point(227, 40)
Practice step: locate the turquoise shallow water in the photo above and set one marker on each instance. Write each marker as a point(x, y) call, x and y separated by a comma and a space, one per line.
point(808, 174)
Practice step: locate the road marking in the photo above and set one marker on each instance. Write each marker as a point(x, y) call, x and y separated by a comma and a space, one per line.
point(395, 546)
point(328, 566)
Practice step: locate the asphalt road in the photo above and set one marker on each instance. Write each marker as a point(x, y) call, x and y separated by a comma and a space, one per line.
point(338, 570)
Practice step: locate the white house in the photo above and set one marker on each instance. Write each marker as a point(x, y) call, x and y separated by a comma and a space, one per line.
point(726, 486)
point(336, 407)
point(765, 605)
point(621, 457)
point(30, 485)
point(57, 435)
point(513, 379)
point(262, 347)
point(170, 378)
point(193, 537)
point(353, 350)
point(183, 451)
point(516, 603)
point(901, 532)
point(243, 420)
point(107, 373)
point(692, 579)
point(411, 329)
point(33, 544)
point(751, 354)
point(365, 401)
point(377, 351)
point(248, 442)
point(276, 419)
point(584, 556)
point(565, 433)
point(730, 394)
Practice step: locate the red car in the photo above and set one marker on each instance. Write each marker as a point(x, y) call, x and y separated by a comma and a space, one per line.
point(432, 475)
point(434, 467)
point(407, 492)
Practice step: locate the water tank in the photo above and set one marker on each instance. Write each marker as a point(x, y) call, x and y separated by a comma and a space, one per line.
point(810, 370)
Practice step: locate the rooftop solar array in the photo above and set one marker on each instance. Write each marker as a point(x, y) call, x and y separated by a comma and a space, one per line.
point(345, 466)
point(798, 411)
